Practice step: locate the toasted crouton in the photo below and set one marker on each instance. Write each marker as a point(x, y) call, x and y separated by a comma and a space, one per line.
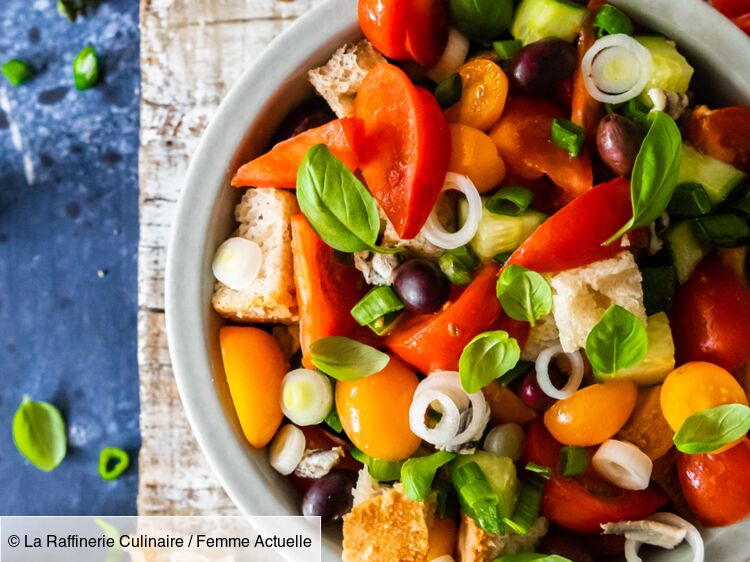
point(477, 545)
point(341, 77)
point(264, 217)
point(388, 527)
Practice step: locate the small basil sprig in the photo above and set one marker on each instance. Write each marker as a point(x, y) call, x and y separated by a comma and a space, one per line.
point(524, 294)
point(655, 173)
point(380, 470)
point(618, 341)
point(488, 356)
point(336, 204)
point(711, 429)
point(345, 359)
point(418, 473)
point(39, 434)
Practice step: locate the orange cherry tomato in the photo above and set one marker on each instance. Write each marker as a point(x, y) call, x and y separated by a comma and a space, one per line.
point(593, 414)
point(443, 535)
point(254, 366)
point(697, 386)
point(374, 412)
point(474, 154)
point(484, 91)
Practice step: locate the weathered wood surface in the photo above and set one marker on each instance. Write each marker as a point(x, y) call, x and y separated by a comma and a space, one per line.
point(191, 53)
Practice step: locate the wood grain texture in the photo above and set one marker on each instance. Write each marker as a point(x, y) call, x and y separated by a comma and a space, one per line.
point(191, 53)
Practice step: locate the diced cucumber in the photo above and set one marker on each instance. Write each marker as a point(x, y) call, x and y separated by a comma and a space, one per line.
point(500, 472)
point(539, 19)
point(498, 234)
point(670, 71)
point(718, 178)
point(686, 248)
point(659, 360)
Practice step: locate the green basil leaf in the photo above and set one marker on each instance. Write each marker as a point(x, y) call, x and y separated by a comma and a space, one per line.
point(345, 359)
point(418, 473)
point(529, 557)
point(488, 356)
point(711, 429)
point(618, 341)
point(335, 202)
point(524, 294)
point(380, 470)
point(655, 173)
point(39, 434)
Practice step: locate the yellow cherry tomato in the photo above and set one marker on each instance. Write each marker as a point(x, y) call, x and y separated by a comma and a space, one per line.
point(374, 412)
point(593, 414)
point(443, 534)
point(697, 386)
point(254, 366)
point(474, 154)
point(483, 94)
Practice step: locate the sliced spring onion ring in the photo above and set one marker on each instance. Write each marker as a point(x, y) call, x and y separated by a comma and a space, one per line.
point(287, 449)
point(623, 464)
point(542, 372)
point(434, 232)
point(692, 536)
point(616, 68)
point(237, 263)
point(456, 51)
point(463, 416)
point(306, 396)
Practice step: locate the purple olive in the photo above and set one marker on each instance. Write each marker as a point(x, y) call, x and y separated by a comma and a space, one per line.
point(308, 115)
point(533, 395)
point(421, 286)
point(539, 66)
point(566, 544)
point(330, 497)
point(618, 140)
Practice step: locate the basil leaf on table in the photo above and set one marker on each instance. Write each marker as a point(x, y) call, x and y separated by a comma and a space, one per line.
point(345, 359)
point(39, 434)
point(336, 204)
point(524, 294)
point(380, 470)
point(711, 429)
point(487, 357)
point(655, 173)
point(418, 473)
point(618, 341)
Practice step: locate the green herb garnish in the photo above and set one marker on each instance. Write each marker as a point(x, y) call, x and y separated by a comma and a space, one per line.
point(488, 356)
point(448, 91)
point(567, 135)
point(418, 473)
point(39, 434)
point(618, 341)
point(380, 470)
point(511, 201)
point(345, 359)
point(711, 429)
point(610, 21)
point(524, 294)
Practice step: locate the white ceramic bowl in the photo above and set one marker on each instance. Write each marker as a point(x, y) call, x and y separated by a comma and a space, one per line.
point(241, 128)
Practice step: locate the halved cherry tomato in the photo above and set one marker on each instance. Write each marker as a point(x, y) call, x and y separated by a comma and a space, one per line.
point(374, 412)
point(522, 137)
point(384, 23)
point(326, 289)
point(717, 485)
point(709, 317)
point(585, 110)
point(732, 8)
point(278, 167)
point(426, 31)
point(721, 133)
point(483, 95)
point(743, 22)
point(406, 147)
point(573, 236)
point(593, 414)
point(474, 154)
point(436, 342)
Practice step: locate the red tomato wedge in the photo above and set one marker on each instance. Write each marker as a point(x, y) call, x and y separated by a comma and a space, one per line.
point(384, 23)
point(709, 317)
point(743, 22)
point(326, 290)
point(573, 236)
point(426, 31)
point(437, 341)
point(721, 133)
point(278, 167)
point(585, 110)
point(406, 147)
point(732, 8)
point(522, 137)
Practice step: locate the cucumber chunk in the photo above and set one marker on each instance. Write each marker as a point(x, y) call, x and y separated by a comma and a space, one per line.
point(686, 248)
point(500, 473)
point(670, 71)
point(718, 178)
point(540, 19)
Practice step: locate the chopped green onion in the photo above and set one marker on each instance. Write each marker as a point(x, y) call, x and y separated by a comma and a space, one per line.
point(449, 91)
point(380, 470)
point(16, 71)
point(86, 69)
point(528, 505)
point(71, 9)
point(725, 231)
point(501, 259)
point(384, 324)
point(567, 135)
point(573, 461)
point(418, 473)
point(739, 200)
point(510, 201)
point(477, 498)
point(689, 200)
point(539, 469)
point(333, 421)
point(521, 368)
point(466, 255)
point(378, 302)
point(112, 463)
point(637, 111)
point(445, 497)
point(610, 21)
point(507, 49)
point(659, 284)
point(455, 269)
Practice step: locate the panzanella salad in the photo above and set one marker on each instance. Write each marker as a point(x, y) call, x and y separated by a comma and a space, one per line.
point(488, 293)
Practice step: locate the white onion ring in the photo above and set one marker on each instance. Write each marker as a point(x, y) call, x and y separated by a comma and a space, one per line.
point(624, 45)
point(543, 378)
point(693, 537)
point(434, 232)
point(287, 449)
point(456, 51)
point(623, 464)
point(237, 263)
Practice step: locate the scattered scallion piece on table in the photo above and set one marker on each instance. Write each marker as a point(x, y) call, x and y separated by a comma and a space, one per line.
point(16, 71)
point(610, 20)
point(568, 136)
point(449, 91)
point(112, 463)
point(86, 69)
point(71, 9)
point(39, 434)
